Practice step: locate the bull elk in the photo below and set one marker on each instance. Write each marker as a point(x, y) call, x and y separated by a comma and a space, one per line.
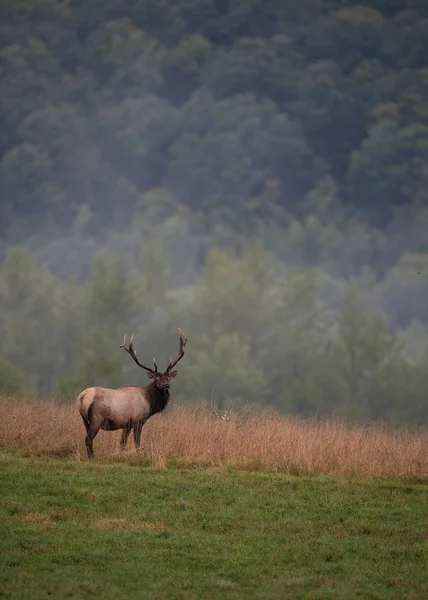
point(127, 407)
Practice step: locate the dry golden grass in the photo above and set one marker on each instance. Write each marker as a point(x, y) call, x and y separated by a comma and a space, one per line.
point(123, 524)
point(37, 519)
point(250, 439)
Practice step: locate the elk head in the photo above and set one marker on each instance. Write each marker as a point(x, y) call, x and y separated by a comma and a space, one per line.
point(160, 380)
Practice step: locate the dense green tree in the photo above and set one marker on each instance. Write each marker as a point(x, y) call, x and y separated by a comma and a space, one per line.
point(125, 57)
point(410, 406)
point(390, 167)
point(95, 366)
point(134, 134)
point(227, 167)
point(11, 380)
point(414, 339)
point(28, 75)
point(225, 374)
point(28, 297)
point(27, 183)
point(112, 296)
point(182, 67)
point(266, 67)
point(404, 290)
point(232, 294)
point(349, 34)
point(71, 334)
point(368, 361)
point(404, 44)
point(292, 349)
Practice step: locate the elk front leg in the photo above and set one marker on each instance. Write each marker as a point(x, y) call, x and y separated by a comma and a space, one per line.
point(137, 433)
point(125, 434)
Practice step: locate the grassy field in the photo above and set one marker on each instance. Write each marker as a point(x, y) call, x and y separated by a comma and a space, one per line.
point(73, 529)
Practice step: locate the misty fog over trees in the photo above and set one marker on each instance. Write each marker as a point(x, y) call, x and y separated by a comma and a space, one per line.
point(252, 171)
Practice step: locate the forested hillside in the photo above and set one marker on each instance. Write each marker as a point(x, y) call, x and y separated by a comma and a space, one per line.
point(253, 171)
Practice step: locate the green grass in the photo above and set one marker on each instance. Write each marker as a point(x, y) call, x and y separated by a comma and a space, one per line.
point(79, 530)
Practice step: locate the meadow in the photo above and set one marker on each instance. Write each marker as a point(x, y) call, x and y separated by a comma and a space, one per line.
point(256, 506)
point(251, 439)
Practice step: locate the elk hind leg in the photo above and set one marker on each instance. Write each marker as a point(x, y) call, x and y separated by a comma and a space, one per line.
point(88, 438)
point(92, 432)
point(92, 428)
point(86, 423)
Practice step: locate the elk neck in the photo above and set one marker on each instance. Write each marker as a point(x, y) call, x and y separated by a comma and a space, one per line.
point(158, 399)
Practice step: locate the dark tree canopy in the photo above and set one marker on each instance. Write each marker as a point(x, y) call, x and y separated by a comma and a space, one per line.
point(211, 100)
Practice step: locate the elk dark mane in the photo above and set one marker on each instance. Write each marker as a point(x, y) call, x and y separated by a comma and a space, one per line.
point(158, 399)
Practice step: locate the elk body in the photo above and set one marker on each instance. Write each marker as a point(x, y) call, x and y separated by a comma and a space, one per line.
point(127, 407)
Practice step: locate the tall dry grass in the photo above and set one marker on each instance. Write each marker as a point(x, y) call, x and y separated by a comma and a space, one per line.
point(248, 440)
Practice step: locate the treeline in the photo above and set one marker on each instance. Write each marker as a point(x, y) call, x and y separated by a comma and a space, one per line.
point(259, 331)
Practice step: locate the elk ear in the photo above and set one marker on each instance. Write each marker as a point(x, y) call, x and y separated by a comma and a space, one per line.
point(173, 374)
point(150, 375)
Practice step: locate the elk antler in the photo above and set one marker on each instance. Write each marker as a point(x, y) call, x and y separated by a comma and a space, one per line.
point(183, 341)
point(130, 350)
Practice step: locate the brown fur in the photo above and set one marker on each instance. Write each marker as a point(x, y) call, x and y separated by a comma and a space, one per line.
point(124, 408)
point(127, 407)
